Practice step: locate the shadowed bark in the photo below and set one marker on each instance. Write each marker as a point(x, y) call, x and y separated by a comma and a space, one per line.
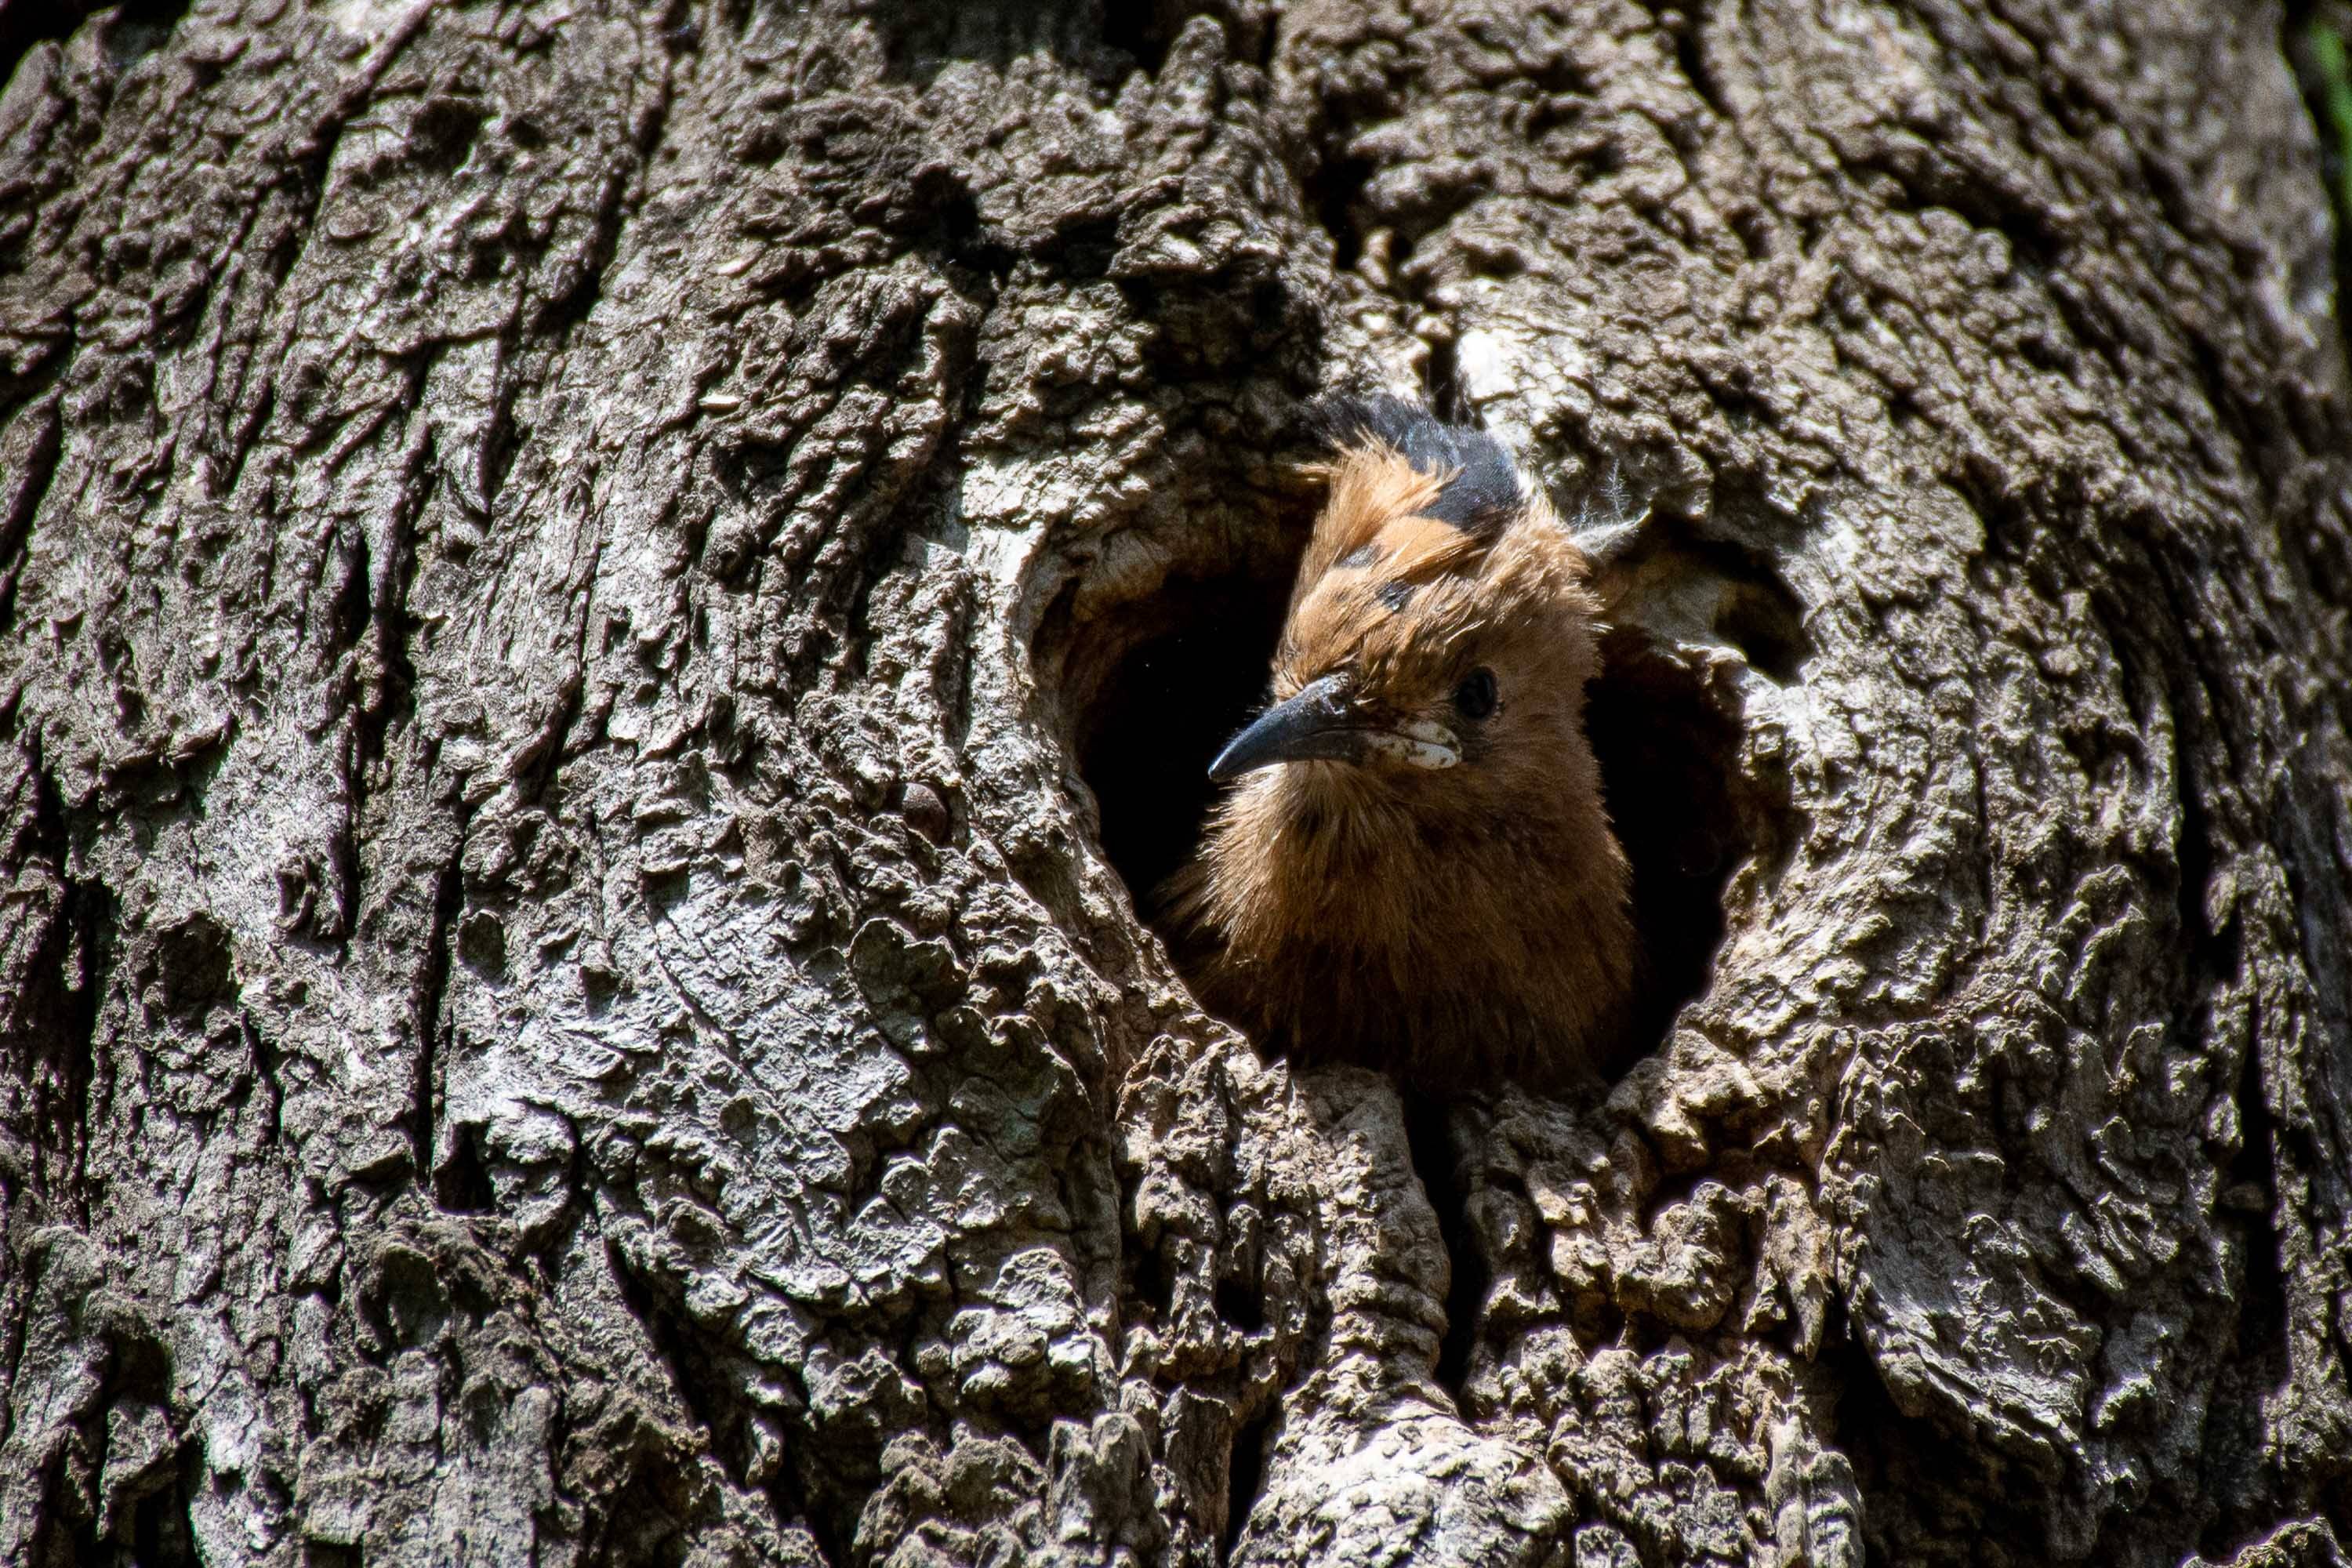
point(602, 609)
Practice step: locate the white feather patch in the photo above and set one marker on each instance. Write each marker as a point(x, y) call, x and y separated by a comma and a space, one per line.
point(1410, 746)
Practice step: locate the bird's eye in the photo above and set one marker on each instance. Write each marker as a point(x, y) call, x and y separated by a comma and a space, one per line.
point(1474, 698)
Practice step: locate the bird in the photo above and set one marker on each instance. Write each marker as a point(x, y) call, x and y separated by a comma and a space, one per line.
point(1412, 864)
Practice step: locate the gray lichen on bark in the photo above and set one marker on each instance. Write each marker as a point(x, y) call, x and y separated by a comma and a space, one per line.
point(563, 995)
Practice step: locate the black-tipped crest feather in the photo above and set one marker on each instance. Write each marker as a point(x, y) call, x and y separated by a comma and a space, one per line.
point(1485, 489)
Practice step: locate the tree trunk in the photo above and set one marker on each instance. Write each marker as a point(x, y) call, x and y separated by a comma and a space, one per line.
point(607, 615)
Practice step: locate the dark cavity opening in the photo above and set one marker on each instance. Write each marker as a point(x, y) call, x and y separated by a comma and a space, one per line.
point(1240, 1305)
point(462, 1185)
point(1244, 1477)
point(1193, 670)
point(1335, 191)
point(1428, 1131)
point(1152, 1284)
point(1669, 761)
point(1157, 660)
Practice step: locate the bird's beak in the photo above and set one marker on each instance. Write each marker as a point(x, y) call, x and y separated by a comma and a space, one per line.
point(1318, 724)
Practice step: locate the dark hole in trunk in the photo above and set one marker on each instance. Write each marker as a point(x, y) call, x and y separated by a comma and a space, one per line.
point(1193, 670)
point(1240, 1305)
point(1244, 1477)
point(1427, 1129)
point(1154, 670)
point(1668, 765)
point(1188, 683)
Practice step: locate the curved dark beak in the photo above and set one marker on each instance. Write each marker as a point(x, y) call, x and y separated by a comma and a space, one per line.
point(1316, 723)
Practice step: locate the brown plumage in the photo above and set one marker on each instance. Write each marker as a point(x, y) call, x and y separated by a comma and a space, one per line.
point(1413, 867)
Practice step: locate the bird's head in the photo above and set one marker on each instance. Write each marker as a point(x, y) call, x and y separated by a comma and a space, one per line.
point(1440, 633)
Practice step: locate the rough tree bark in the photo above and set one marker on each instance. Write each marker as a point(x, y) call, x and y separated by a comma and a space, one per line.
point(602, 607)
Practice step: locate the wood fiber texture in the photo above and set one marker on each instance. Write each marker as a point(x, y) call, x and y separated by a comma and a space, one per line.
point(561, 997)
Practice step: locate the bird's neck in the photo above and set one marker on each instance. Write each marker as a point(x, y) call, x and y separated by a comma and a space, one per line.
point(1438, 922)
point(1323, 832)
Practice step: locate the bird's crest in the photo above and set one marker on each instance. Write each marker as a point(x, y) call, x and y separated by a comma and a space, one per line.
point(1409, 494)
point(1412, 497)
point(1478, 486)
